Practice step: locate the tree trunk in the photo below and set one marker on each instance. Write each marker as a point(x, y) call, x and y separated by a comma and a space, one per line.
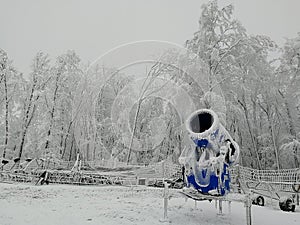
point(61, 140)
point(290, 126)
point(134, 129)
point(71, 148)
point(292, 131)
point(6, 115)
point(251, 134)
point(271, 128)
point(65, 140)
point(22, 143)
point(267, 111)
point(28, 117)
point(28, 122)
point(52, 111)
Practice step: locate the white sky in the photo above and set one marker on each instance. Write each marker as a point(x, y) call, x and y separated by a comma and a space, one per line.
point(92, 27)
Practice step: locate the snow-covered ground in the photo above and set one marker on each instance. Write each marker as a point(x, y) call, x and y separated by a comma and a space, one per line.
point(25, 204)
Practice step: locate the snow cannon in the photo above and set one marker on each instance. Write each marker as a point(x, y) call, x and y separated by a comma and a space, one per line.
point(205, 163)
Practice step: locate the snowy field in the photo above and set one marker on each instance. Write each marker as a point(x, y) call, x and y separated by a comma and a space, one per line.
point(25, 204)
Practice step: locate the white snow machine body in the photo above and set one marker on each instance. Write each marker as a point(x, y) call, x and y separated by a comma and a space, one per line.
point(205, 163)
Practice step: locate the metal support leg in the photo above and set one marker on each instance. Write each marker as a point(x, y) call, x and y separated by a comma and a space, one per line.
point(165, 208)
point(220, 207)
point(166, 198)
point(248, 205)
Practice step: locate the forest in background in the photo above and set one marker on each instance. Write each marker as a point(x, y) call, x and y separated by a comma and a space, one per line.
point(259, 82)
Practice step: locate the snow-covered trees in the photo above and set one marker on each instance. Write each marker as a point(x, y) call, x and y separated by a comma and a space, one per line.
point(60, 90)
point(62, 109)
point(12, 85)
point(288, 78)
point(37, 110)
point(4, 78)
point(259, 96)
point(33, 91)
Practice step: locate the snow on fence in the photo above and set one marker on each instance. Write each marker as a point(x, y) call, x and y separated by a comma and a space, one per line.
point(164, 169)
point(285, 180)
point(106, 172)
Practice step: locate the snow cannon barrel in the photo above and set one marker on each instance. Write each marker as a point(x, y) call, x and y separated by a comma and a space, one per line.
point(213, 150)
point(202, 124)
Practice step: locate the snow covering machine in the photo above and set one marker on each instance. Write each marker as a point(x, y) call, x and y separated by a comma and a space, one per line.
point(205, 163)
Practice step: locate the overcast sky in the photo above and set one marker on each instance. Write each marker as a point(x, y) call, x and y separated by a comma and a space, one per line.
point(92, 27)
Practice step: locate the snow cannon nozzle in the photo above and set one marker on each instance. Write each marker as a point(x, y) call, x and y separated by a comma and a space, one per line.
point(201, 123)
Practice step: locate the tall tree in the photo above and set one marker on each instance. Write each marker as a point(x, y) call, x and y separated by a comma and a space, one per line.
point(58, 102)
point(288, 88)
point(34, 90)
point(11, 85)
point(4, 73)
